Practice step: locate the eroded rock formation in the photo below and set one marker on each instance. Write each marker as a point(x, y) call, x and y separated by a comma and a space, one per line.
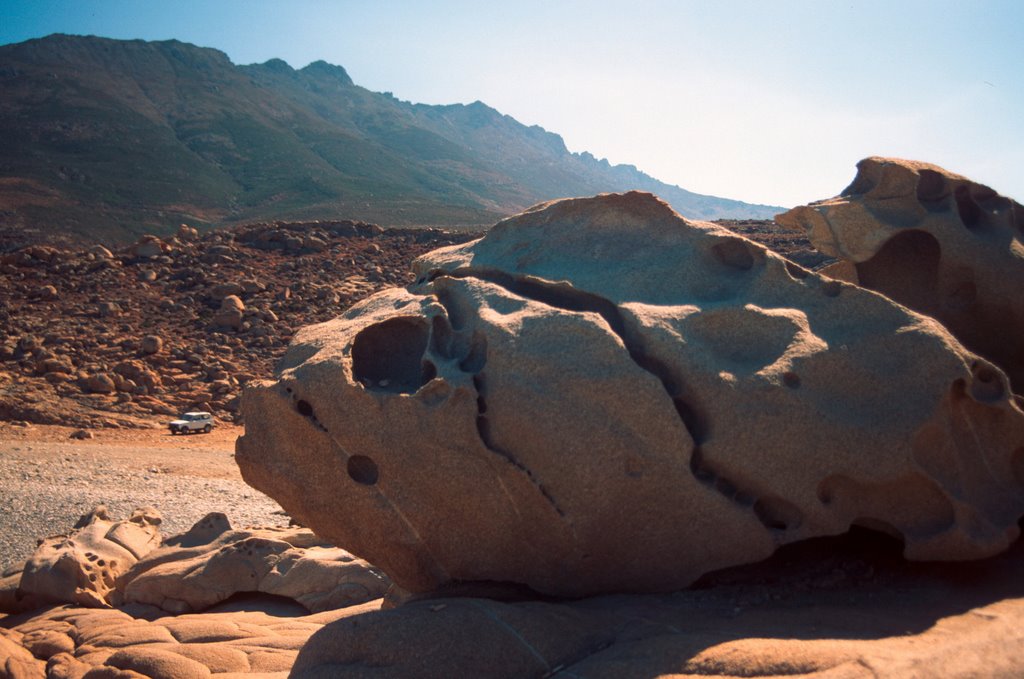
point(602, 396)
point(83, 566)
point(213, 562)
point(936, 242)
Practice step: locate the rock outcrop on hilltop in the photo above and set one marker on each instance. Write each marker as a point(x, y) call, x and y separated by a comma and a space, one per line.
point(599, 395)
point(934, 241)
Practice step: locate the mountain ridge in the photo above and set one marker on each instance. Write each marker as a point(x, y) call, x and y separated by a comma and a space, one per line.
point(115, 138)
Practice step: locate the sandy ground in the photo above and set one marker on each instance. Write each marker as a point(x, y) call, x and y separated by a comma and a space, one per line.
point(48, 480)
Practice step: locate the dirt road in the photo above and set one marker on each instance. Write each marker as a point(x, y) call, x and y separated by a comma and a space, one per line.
point(48, 480)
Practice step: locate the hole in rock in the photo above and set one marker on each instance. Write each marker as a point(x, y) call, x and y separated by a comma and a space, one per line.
point(970, 214)
point(931, 186)
point(905, 269)
point(734, 253)
point(831, 288)
point(388, 356)
point(428, 371)
point(304, 408)
point(778, 514)
point(986, 386)
point(362, 470)
point(271, 604)
point(857, 555)
point(791, 379)
point(795, 270)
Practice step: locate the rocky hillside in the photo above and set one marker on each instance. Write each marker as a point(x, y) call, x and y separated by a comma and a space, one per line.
point(112, 139)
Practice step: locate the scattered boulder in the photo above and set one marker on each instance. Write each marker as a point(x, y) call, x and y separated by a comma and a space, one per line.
point(81, 435)
point(99, 383)
point(599, 396)
point(212, 562)
point(230, 313)
point(100, 252)
point(222, 290)
point(187, 233)
point(149, 247)
point(151, 344)
point(82, 567)
point(108, 309)
point(936, 242)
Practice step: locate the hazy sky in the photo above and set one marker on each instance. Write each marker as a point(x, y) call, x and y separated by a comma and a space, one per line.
point(769, 102)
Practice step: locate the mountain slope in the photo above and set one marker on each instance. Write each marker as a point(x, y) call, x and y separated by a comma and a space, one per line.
point(107, 138)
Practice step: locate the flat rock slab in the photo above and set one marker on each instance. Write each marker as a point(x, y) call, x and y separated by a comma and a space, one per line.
point(826, 608)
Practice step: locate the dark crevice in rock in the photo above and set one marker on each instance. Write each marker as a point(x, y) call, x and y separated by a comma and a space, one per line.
point(970, 214)
point(483, 428)
point(773, 512)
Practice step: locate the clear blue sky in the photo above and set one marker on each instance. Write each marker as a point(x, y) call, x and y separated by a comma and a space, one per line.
point(770, 102)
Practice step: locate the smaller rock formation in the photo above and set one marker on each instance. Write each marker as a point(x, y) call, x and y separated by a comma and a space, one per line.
point(934, 241)
point(212, 562)
point(83, 566)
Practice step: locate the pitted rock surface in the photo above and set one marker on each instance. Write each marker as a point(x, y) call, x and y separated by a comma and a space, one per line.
point(934, 241)
point(83, 566)
point(599, 395)
point(213, 562)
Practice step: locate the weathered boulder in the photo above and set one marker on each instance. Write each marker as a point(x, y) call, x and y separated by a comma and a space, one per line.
point(934, 241)
point(82, 567)
point(599, 395)
point(230, 313)
point(212, 562)
point(151, 344)
point(98, 383)
point(148, 247)
point(187, 233)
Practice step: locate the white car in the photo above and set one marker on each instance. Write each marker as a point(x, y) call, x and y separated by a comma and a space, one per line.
point(193, 421)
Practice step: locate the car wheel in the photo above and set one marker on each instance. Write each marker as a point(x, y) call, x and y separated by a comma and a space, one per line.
point(206, 429)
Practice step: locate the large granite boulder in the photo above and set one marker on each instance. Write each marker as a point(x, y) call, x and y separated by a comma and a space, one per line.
point(934, 241)
point(599, 396)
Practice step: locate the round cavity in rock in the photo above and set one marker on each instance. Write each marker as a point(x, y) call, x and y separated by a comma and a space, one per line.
point(304, 408)
point(986, 386)
point(362, 470)
point(734, 253)
point(388, 356)
point(791, 379)
point(796, 271)
point(931, 186)
point(777, 514)
point(831, 288)
point(970, 214)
